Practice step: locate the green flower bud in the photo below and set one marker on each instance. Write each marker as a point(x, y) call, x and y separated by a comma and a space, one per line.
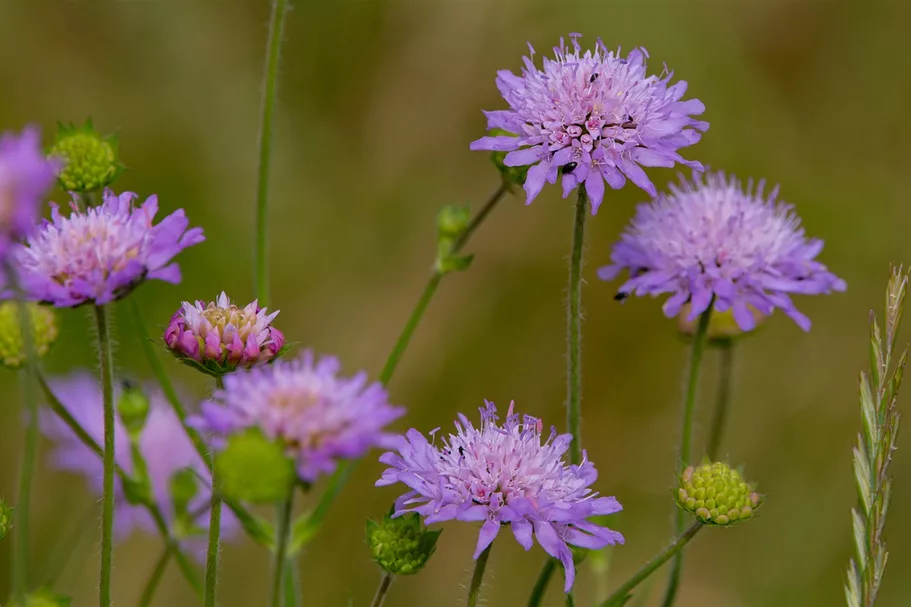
point(133, 408)
point(183, 489)
point(511, 175)
point(722, 327)
point(43, 325)
point(452, 221)
point(402, 545)
point(90, 160)
point(41, 598)
point(6, 519)
point(254, 469)
point(717, 494)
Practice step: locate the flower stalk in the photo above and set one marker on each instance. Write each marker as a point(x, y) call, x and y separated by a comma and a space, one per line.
point(474, 591)
point(106, 360)
point(574, 333)
point(723, 399)
point(380, 597)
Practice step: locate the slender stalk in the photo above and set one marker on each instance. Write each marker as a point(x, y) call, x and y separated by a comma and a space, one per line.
point(155, 579)
point(292, 584)
point(480, 216)
point(574, 333)
point(686, 441)
point(267, 114)
point(675, 547)
point(106, 360)
point(27, 472)
point(722, 402)
point(405, 337)
point(537, 593)
point(477, 577)
point(380, 597)
point(570, 602)
point(281, 530)
point(213, 549)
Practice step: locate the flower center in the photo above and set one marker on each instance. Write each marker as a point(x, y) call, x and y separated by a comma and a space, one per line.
point(220, 317)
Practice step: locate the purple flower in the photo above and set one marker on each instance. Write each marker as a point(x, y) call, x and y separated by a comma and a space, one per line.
point(163, 443)
point(218, 336)
point(303, 403)
point(102, 253)
point(26, 176)
point(595, 116)
point(712, 238)
point(503, 475)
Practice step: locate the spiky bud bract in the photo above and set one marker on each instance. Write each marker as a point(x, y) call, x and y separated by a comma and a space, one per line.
point(717, 494)
point(401, 545)
point(90, 160)
point(43, 326)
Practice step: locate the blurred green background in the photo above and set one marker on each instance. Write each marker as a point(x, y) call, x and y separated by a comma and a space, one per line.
point(378, 102)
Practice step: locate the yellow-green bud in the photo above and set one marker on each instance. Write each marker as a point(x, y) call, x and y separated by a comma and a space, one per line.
point(722, 326)
point(254, 469)
point(41, 598)
point(43, 325)
point(452, 222)
point(133, 408)
point(402, 545)
point(90, 160)
point(511, 175)
point(6, 519)
point(716, 494)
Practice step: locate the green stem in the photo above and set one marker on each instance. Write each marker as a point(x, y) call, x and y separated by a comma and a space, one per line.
point(570, 602)
point(405, 337)
point(267, 114)
point(281, 530)
point(537, 593)
point(155, 579)
point(686, 441)
point(722, 403)
point(380, 597)
point(212, 553)
point(477, 577)
point(106, 360)
point(292, 583)
point(26, 474)
point(574, 333)
point(676, 547)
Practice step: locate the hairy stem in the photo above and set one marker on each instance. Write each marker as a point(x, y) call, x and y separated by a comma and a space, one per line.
point(213, 549)
point(686, 441)
point(474, 591)
point(537, 593)
point(574, 333)
point(380, 597)
point(155, 579)
point(282, 529)
point(267, 114)
point(674, 548)
point(722, 401)
point(106, 360)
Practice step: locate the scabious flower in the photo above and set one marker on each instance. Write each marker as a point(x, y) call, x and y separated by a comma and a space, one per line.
point(218, 337)
point(594, 117)
point(163, 443)
point(26, 176)
point(711, 239)
point(102, 253)
point(503, 474)
point(319, 416)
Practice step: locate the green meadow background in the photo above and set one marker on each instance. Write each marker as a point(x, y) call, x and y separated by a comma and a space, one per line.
point(378, 103)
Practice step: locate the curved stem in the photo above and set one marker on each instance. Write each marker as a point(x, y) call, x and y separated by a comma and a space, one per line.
point(537, 593)
point(380, 597)
point(106, 359)
point(281, 530)
point(686, 441)
point(155, 579)
point(722, 402)
point(405, 337)
point(267, 113)
point(26, 474)
point(574, 333)
point(477, 577)
point(676, 546)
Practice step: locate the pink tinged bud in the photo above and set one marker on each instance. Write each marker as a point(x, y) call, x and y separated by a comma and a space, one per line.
point(189, 345)
point(235, 349)
point(251, 353)
point(172, 334)
point(278, 341)
point(213, 345)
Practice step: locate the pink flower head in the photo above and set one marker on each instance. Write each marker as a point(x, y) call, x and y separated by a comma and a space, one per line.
point(319, 416)
point(26, 176)
point(219, 337)
point(503, 475)
point(594, 117)
point(102, 253)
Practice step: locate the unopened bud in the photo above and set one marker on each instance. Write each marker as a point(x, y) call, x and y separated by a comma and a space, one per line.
point(133, 408)
point(41, 598)
point(252, 468)
point(90, 160)
point(401, 545)
point(43, 326)
point(717, 494)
